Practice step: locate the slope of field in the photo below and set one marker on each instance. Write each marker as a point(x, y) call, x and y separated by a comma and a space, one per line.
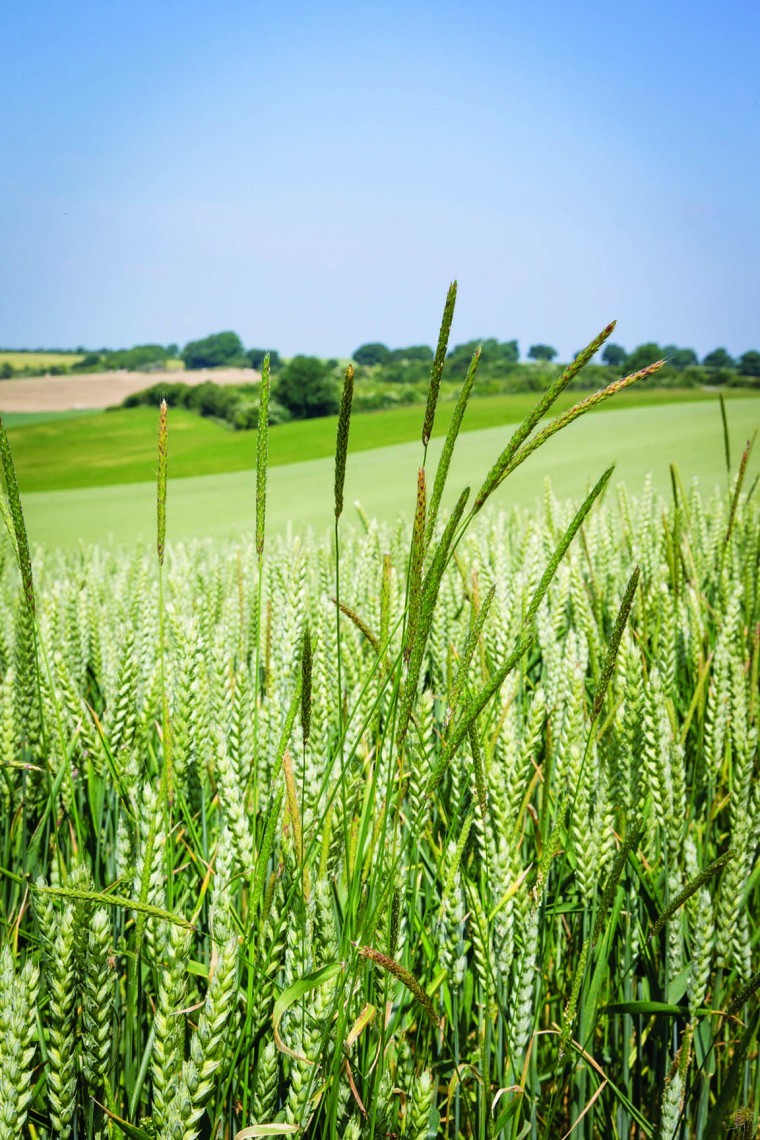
point(120, 446)
point(639, 440)
point(101, 389)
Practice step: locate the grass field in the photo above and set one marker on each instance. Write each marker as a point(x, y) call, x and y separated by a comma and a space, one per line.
point(41, 360)
point(119, 447)
point(638, 439)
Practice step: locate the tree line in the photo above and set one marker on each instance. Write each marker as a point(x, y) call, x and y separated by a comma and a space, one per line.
point(507, 354)
point(226, 349)
point(223, 349)
point(307, 386)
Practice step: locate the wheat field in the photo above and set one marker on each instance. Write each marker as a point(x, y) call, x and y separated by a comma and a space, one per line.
point(441, 832)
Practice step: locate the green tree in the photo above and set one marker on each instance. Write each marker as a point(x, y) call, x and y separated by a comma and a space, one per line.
point(141, 357)
point(413, 352)
point(541, 352)
point(405, 371)
point(643, 356)
point(498, 356)
point(615, 355)
point(306, 388)
point(459, 357)
point(255, 357)
point(373, 353)
point(506, 353)
point(749, 363)
point(680, 357)
point(719, 358)
point(214, 351)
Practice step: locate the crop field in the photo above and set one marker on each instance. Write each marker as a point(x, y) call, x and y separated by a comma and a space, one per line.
point(442, 829)
point(41, 360)
point(89, 390)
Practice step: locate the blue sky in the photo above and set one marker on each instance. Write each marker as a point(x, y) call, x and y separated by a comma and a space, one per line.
point(313, 175)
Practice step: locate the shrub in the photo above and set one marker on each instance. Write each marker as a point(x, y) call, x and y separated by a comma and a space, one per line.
point(306, 388)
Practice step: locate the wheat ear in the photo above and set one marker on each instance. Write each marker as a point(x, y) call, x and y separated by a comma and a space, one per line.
point(61, 1072)
point(18, 1002)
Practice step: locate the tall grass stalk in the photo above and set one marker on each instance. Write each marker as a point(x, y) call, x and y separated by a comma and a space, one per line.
point(262, 463)
point(436, 373)
point(341, 455)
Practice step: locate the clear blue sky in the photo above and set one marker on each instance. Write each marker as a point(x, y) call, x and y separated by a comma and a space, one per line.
point(313, 174)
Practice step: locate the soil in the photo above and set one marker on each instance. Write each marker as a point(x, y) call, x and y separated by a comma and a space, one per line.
point(103, 389)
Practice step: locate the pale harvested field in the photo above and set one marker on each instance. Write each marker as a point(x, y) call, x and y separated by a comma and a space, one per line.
point(102, 389)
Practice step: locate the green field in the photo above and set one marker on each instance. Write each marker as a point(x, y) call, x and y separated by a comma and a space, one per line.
point(41, 360)
point(638, 439)
point(61, 453)
point(478, 868)
point(34, 419)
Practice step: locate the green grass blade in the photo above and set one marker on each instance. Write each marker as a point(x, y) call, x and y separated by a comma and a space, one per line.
point(438, 363)
point(21, 542)
point(262, 456)
point(163, 452)
point(341, 441)
point(103, 898)
point(614, 645)
point(442, 470)
point(566, 418)
point(496, 474)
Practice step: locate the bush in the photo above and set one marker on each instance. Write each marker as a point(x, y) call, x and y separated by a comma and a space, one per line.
point(399, 371)
point(141, 358)
point(212, 400)
point(373, 399)
point(244, 416)
point(307, 389)
point(278, 414)
point(91, 360)
point(236, 405)
point(719, 376)
point(176, 396)
point(737, 381)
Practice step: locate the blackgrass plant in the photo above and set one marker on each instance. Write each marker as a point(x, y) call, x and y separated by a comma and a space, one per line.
point(450, 832)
